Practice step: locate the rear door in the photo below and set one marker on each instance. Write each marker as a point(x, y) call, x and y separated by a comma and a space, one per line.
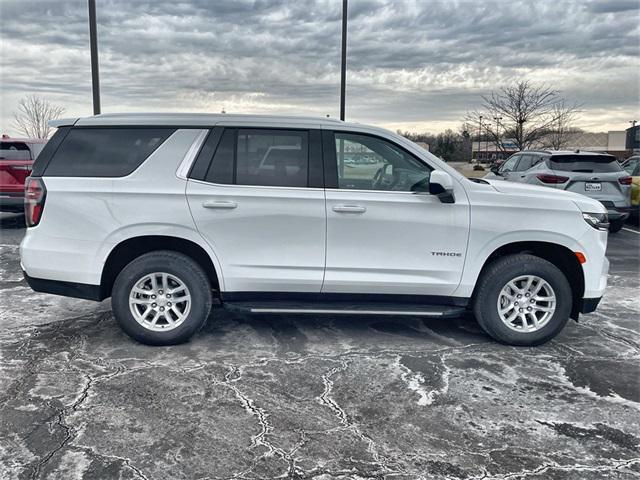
point(256, 196)
point(525, 163)
point(382, 236)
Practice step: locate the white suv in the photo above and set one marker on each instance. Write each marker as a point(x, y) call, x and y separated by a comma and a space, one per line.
point(169, 214)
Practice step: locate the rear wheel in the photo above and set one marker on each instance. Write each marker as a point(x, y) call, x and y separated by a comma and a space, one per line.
point(615, 226)
point(522, 300)
point(161, 298)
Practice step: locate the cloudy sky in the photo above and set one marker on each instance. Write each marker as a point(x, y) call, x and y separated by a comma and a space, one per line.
point(418, 65)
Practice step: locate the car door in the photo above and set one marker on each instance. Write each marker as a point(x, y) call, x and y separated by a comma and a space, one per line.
point(256, 196)
point(382, 237)
point(526, 162)
point(507, 169)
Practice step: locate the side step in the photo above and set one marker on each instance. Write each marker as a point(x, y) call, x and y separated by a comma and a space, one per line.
point(342, 308)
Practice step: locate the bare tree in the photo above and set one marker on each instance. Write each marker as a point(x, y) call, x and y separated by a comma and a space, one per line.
point(33, 116)
point(524, 113)
point(561, 130)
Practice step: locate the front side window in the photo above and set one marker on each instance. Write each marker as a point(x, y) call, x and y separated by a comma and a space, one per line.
point(510, 164)
point(371, 163)
point(261, 157)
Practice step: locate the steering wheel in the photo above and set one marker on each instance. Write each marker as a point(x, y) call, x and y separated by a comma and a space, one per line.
point(380, 181)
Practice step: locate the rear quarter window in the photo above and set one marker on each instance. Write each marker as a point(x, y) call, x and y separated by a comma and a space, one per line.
point(585, 163)
point(105, 152)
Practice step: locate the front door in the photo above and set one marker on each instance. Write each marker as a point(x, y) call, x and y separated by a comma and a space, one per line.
point(383, 235)
point(259, 205)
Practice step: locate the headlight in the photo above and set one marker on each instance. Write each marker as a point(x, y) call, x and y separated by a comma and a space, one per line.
point(598, 221)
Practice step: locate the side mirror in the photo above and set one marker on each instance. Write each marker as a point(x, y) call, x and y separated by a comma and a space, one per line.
point(441, 185)
point(495, 169)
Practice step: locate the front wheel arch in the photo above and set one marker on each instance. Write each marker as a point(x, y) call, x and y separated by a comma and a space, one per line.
point(559, 255)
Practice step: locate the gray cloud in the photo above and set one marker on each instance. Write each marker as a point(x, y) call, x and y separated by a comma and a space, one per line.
point(417, 64)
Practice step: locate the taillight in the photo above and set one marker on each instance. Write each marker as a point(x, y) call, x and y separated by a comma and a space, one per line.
point(545, 178)
point(34, 196)
point(625, 180)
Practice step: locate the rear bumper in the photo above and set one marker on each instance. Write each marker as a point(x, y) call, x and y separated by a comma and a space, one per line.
point(589, 304)
point(618, 213)
point(66, 289)
point(11, 202)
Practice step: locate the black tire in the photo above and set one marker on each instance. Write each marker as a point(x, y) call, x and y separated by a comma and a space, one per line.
point(497, 275)
point(615, 226)
point(174, 263)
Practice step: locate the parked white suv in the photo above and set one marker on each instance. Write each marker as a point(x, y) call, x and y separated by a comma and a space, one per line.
point(167, 213)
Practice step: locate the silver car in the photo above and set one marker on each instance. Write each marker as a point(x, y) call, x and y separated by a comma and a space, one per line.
point(595, 175)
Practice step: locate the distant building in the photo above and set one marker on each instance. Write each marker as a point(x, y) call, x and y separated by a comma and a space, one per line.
point(612, 142)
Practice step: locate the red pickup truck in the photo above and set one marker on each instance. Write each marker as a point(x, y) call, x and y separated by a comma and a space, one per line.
point(16, 159)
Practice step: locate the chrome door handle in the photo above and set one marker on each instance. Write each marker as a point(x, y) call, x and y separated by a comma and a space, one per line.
point(349, 209)
point(215, 204)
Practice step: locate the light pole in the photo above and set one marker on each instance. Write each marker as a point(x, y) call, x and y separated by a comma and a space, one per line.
point(498, 143)
point(486, 149)
point(93, 42)
point(343, 67)
point(479, 137)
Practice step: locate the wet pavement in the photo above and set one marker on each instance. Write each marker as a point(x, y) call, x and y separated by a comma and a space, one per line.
point(315, 397)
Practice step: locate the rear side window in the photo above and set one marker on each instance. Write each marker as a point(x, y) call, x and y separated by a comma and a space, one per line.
point(105, 152)
point(585, 163)
point(261, 157)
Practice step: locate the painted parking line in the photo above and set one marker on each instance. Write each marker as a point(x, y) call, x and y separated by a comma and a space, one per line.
point(629, 230)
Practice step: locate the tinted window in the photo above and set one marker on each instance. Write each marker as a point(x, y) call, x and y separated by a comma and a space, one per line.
point(105, 152)
point(14, 151)
point(371, 163)
point(221, 167)
point(585, 163)
point(631, 166)
point(527, 162)
point(272, 158)
point(261, 157)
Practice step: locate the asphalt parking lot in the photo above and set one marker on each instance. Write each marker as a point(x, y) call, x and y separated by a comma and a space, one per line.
point(316, 397)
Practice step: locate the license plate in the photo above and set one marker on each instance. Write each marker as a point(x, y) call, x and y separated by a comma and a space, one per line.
point(592, 187)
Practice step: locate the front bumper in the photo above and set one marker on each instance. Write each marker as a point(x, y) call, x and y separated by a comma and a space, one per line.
point(589, 305)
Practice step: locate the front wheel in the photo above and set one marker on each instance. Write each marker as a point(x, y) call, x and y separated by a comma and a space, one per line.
point(161, 298)
point(522, 300)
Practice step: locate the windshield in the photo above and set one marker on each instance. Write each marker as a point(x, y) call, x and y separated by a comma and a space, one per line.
point(585, 163)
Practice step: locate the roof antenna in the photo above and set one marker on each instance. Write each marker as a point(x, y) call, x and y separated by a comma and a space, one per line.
point(223, 111)
point(577, 150)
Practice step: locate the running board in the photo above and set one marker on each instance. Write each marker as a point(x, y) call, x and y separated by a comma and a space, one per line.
point(331, 308)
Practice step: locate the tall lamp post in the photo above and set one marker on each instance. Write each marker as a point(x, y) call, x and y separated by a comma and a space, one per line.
point(479, 139)
point(93, 41)
point(343, 67)
point(498, 143)
point(486, 145)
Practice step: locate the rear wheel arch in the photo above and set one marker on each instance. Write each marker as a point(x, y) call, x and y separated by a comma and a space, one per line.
point(559, 255)
point(130, 249)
